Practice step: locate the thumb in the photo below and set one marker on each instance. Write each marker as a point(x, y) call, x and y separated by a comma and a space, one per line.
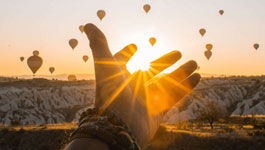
point(98, 42)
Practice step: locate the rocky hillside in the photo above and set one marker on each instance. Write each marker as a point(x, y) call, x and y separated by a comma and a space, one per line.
point(40, 101)
point(238, 95)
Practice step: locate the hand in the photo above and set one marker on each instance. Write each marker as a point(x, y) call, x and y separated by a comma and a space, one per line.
point(140, 99)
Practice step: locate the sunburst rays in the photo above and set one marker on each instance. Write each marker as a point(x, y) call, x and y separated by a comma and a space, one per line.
point(119, 74)
point(106, 62)
point(158, 100)
point(118, 91)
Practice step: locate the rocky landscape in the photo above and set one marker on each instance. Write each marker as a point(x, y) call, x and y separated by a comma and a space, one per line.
point(237, 95)
point(41, 101)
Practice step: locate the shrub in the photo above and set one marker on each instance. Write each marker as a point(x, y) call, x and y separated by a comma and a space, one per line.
point(211, 113)
point(15, 122)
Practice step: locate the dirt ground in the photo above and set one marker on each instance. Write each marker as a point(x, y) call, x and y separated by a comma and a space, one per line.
point(54, 137)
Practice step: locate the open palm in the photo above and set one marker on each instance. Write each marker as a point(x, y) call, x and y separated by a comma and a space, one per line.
point(142, 98)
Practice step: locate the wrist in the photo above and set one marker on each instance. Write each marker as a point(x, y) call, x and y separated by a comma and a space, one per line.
point(86, 143)
point(107, 127)
point(136, 116)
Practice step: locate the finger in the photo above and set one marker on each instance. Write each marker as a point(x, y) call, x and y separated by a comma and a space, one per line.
point(105, 66)
point(167, 92)
point(192, 81)
point(184, 89)
point(184, 71)
point(126, 53)
point(98, 42)
point(180, 90)
point(164, 62)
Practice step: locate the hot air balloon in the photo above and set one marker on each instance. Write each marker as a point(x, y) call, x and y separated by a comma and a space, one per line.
point(147, 8)
point(34, 63)
point(209, 47)
point(36, 53)
point(73, 43)
point(72, 77)
point(21, 59)
point(256, 46)
point(221, 12)
point(51, 69)
point(202, 31)
point(85, 58)
point(152, 41)
point(101, 14)
point(208, 54)
point(81, 28)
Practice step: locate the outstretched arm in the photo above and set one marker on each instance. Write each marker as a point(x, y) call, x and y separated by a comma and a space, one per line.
point(140, 99)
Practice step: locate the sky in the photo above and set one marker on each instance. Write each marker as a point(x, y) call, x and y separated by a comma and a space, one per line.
point(47, 25)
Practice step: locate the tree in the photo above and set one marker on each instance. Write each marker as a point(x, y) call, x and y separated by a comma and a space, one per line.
point(211, 113)
point(15, 122)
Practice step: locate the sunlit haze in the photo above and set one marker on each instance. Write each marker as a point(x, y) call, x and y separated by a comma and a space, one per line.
point(47, 26)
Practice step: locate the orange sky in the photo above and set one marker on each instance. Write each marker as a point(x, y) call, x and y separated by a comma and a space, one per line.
point(47, 26)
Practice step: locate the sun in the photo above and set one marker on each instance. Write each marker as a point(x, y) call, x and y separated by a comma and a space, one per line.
point(142, 58)
point(138, 64)
point(146, 52)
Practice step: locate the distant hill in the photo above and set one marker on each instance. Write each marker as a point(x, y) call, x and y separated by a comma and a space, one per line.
point(58, 77)
point(40, 101)
point(92, 76)
point(6, 79)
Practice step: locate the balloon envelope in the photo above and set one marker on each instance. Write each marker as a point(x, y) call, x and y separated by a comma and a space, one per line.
point(221, 12)
point(147, 8)
point(152, 41)
point(85, 58)
point(101, 14)
point(34, 63)
point(72, 77)
point(256, 46)
point(21, 59)
point(209, 47)
point(73, 43)
point(36, 53)
point(208, 54)
point(51, 69)
point(202, 31)
point(81, 28)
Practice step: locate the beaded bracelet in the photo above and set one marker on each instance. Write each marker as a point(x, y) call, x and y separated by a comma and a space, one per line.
point(107, 127)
